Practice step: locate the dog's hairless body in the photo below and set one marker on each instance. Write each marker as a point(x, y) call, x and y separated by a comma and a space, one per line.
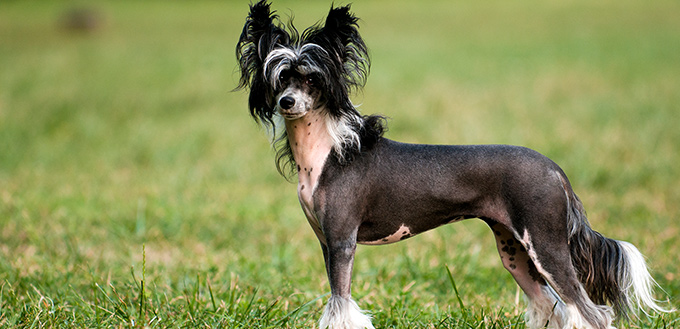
point(357, 187)
point(407, 198)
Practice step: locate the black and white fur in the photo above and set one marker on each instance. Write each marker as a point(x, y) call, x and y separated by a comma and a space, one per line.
point(355, 186)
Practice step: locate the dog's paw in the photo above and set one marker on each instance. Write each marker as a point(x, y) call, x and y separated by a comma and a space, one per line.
point(344, 313)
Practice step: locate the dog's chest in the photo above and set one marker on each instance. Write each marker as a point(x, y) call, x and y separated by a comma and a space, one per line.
point(306, 197)
point(307, 182)
point(308, 178)
point(311, 145)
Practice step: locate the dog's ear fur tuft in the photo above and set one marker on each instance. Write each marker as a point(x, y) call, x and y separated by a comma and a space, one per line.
point(340, 35)
point(341, 26)
point(259, 37)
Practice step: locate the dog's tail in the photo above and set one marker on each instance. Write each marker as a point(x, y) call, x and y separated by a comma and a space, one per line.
point(611, 271)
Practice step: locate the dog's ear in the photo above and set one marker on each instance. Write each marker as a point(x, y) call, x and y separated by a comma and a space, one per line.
point(340, 35)
point(259, 37)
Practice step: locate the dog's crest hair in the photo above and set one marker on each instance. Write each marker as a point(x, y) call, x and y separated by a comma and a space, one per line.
point(334, 51)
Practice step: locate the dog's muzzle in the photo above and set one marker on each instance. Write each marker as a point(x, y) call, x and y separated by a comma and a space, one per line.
point(291, 108)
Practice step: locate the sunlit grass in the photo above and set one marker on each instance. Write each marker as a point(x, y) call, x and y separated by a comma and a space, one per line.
point(125, 160)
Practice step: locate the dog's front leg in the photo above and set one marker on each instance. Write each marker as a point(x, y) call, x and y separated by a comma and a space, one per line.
point(341, 311)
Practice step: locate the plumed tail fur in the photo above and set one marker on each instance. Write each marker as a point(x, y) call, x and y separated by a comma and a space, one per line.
point(612, 272)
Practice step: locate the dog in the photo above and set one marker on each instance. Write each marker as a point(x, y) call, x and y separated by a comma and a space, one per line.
point(357, 187)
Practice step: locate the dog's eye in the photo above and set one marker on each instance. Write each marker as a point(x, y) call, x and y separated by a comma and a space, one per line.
point(284, 76)
point(311, 81)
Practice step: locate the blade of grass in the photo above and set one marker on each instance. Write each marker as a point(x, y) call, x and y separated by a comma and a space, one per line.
point(288, 316)
point(455, 289)
point(212, 297)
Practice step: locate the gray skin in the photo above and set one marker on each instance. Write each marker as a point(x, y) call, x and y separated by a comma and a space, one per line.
point(422, 187)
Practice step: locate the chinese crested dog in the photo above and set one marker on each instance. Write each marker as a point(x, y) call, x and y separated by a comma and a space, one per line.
point(356, 186)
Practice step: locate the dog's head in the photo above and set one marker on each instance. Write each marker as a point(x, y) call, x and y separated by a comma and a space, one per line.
point(291, 74)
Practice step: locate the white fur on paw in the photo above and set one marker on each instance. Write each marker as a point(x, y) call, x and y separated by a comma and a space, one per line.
point(344, 313)
point(549, 311)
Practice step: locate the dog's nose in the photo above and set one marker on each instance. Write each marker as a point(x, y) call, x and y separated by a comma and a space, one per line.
point(286, 102)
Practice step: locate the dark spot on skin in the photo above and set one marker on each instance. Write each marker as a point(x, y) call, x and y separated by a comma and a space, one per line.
point(521, 248)
point(385, 240)
point(513, 266)
point(302, 187)
point(510, 250)
point(404, 233)
point(294, 126)
point(497, 233)
point(512, 259)
point(298, 168)
point(502, 241)
point(309, 124)
point(310, 170)
point(405, 237)
point(511, 242)
point(296, 144)
point(309, 134)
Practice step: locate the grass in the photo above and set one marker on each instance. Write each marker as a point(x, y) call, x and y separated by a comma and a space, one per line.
point(135, 190)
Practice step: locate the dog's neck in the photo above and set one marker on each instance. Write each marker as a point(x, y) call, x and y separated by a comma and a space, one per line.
point(310, 144)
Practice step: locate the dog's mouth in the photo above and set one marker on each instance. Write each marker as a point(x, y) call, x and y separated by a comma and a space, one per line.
point(291, 114)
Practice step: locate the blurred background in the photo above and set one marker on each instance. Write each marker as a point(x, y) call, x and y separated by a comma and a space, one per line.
point(126, 157)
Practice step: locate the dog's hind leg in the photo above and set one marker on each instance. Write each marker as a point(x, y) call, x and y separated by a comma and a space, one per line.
point(549, 251)
point(516, 260)
point(537, 271)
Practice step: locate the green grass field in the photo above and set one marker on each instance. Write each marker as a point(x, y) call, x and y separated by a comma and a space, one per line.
point(136, 191)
